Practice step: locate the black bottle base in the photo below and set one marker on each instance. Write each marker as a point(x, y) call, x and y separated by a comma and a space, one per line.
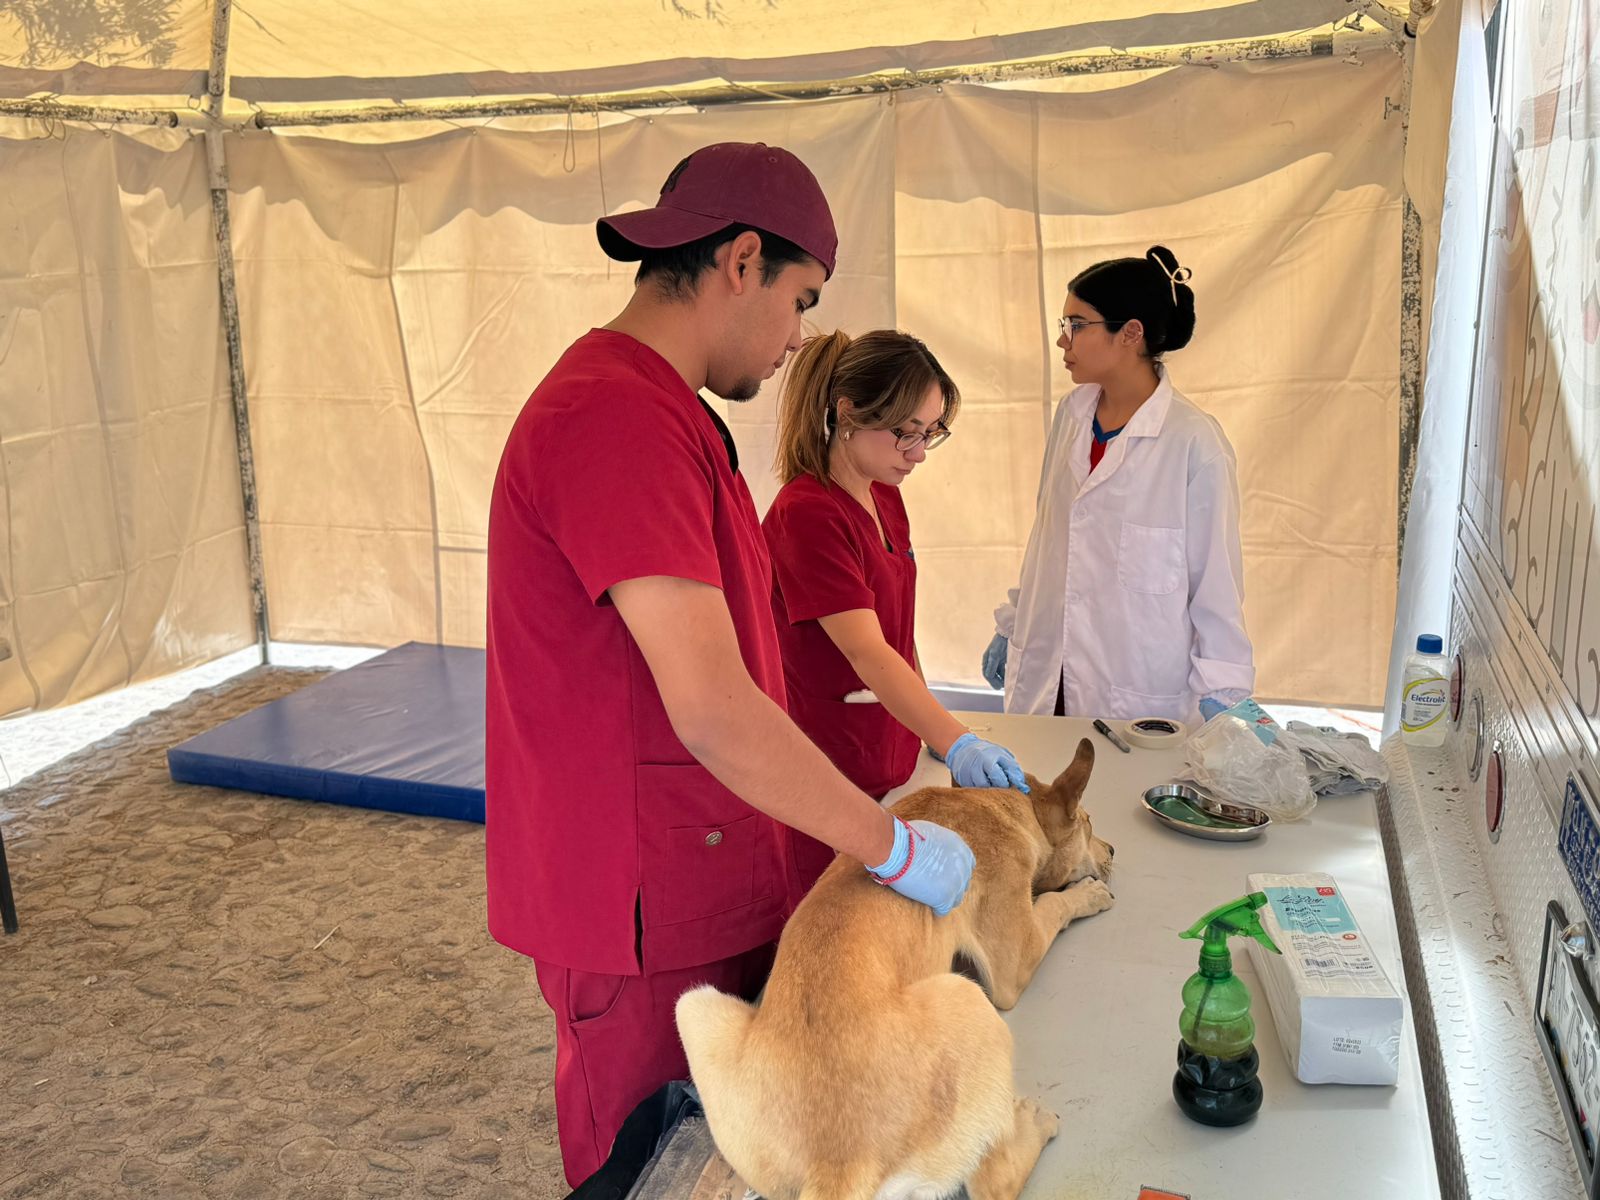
point(1217, 1091)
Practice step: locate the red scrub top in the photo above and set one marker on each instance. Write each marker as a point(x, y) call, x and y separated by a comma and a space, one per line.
point(827, 558)
point(609, 848)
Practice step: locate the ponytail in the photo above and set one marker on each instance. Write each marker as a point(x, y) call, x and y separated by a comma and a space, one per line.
point(806, 413)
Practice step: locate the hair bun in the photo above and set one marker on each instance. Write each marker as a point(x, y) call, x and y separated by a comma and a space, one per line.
point(1176, 290)
point(1167, 263)
point(1163, 258)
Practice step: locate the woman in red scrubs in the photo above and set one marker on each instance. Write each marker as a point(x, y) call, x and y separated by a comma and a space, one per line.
point(856, 418)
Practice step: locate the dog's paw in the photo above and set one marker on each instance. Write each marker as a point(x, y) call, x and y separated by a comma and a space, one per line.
point(1093, 895)
point(1031, 1112)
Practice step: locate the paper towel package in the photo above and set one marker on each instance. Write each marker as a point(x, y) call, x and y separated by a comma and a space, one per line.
point(1338, 1016)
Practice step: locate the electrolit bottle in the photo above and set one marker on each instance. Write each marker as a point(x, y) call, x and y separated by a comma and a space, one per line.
point(1425, 693)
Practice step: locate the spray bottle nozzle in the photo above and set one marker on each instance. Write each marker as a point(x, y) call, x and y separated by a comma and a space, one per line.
point(1225, 921)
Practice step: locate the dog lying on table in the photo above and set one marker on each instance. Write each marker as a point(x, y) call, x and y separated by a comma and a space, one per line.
point(872, 1071)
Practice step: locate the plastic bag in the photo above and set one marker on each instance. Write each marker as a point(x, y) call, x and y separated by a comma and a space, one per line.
point(1227, 761)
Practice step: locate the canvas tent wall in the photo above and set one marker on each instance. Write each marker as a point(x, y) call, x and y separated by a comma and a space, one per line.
point(401, 284)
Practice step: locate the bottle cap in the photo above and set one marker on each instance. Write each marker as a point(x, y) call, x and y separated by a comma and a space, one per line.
point(1430, 643)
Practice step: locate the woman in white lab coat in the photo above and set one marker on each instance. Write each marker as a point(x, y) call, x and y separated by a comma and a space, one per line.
point(1131, 597)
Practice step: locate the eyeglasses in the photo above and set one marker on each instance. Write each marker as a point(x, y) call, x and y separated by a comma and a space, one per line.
point(1071, 328)
point(905, 440)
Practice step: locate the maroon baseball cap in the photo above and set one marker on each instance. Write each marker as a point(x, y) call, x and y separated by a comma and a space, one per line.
point(730, 183)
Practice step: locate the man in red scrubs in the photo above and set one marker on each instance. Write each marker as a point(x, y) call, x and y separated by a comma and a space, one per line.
point(642, 775)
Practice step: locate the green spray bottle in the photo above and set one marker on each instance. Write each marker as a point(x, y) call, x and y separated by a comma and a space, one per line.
point(1216, 1083)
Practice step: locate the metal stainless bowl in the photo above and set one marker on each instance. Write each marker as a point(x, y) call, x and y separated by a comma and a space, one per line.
point(1184, 809)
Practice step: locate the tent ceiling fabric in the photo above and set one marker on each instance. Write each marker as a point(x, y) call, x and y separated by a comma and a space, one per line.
point(553, 49)
point(146, 48)
point(296, 52)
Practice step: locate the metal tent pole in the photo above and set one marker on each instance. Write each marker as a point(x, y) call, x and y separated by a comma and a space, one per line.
point(222, 227)
point(1410, 304)
point(1317, 44)
point(1343, 40)
point(55, 110)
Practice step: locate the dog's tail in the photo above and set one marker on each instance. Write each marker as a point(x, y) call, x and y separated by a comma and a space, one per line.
point(713, 1027)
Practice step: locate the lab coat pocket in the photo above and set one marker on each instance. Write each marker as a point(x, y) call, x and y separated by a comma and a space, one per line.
point(697, 846)
point(1150, 559)
point(1128, 705)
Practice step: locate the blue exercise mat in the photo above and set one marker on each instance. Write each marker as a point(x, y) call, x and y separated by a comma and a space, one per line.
point(403, 732)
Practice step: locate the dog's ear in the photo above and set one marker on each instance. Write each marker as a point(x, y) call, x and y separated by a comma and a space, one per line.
point(1069, 785)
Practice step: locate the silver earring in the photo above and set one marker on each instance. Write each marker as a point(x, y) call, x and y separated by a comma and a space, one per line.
point(845, 435)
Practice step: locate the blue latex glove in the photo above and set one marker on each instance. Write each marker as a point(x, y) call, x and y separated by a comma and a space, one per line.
point(1210, 708)
point(940, 865)
point(994, 663)
point(977, 763)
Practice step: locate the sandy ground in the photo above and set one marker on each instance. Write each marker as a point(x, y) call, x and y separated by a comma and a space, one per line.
point(221, 994)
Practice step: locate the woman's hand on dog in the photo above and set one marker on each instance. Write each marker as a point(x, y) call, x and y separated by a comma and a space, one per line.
point(976, 763)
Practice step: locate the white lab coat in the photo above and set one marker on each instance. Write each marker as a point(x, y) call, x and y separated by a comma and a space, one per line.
point(1131, 597)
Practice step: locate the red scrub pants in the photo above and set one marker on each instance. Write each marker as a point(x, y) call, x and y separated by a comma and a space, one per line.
point(617, 1042)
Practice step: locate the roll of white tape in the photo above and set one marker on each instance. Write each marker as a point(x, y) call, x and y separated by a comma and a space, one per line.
point(1154, 733)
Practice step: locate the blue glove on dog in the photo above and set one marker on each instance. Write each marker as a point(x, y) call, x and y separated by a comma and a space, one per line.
point(929, 864)
point(994, 662)
point(977, 763)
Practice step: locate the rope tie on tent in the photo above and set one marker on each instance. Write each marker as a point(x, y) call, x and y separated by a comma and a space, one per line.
point(52, 128)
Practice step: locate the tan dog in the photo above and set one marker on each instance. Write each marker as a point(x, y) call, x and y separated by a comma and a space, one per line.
point(870, 1069)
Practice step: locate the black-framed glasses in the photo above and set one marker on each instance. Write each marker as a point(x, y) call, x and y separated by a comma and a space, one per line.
point(1071, 328)
point(906, 440)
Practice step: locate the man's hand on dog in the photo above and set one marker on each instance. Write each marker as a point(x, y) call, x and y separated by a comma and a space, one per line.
point(929, 864)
